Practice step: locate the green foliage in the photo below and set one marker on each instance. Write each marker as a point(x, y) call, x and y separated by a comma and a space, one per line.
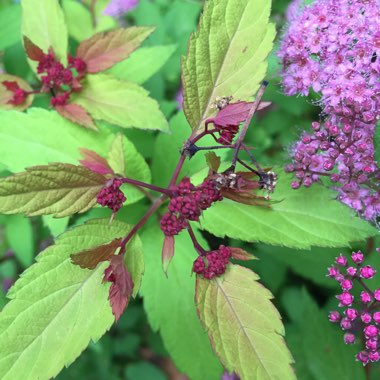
point(122, 103)
point(10, 21)
point(57, 189)
point(43, 22)
point(226, 56)
point(244, 326)
point(56, 307)
point(180, 328)
point(143, 63)
point(318, 345)
point(301, 219)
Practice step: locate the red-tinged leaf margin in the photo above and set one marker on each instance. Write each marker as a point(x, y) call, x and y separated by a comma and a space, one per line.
point(90, 258)
point(226, 316)
point(234, 113)
point(122, 285)
point(9, 82)
point(32, 50)
point(241, 254)
point(92, 160)
point(77, 114)
point(105, 49)
point(167, 253)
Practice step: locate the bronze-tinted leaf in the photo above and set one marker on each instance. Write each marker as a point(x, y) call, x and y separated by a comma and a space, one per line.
point(94, 162)
point(105, 49)
point(32, 50)
point(90, 258)
point(167, 253)
point(77, 114)
point(241, 254)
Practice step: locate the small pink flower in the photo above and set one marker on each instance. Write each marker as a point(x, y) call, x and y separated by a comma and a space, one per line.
point(374, 356)
point(347, 285)
point(334, 316)
point(332, 272)
point(366, 318)
point(351, 314)
point(345, 324)
point(349, 338)
point(372, 344)
point(370, 331)
point(345, 299)
point(351, 271)
point(341, 260)
point(357, 257)
point(376, 317)
point(362, 357)
point(376, 294)
point(367, 272)
point(365, 297)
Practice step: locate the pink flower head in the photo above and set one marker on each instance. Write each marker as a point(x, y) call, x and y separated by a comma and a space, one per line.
point(345, 299)
point(117, 8)
point(349, 338)
point(357, 257)
point(365, 297)
point(346, 284)
point(376, 317)
point(341, 260)
point(367, 272)
point(374, 356)
point(362, 357)
point(334, 316)
point(376, 294)
point(351, 314)
point(332, 272)
point(371, 331)
point(345, 324)
point(372, 344)
point(366, 318)
point(351, 271)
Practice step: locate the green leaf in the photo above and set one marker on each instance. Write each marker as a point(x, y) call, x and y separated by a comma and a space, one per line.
point(324, 353)
point(303, 218)
point(143, 63)
point(10, 21)
point(56, 225)
point(180, 328)
point(121, 103)
point(43, 23)
point(56, 307)
point(116, 158)
point(143, 371)
point(134, 260)
point(75, 11)
point(244, 326)
point(19, 234)
point(227, 55)
point(58, 189)
point(104, 49)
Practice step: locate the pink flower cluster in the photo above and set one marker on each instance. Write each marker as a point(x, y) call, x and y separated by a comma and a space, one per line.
point(187, 204)
point(117, 8)
point(330, 47)
point(111, 196)
point(360, 317)
point(214, 263)
point(60, 79)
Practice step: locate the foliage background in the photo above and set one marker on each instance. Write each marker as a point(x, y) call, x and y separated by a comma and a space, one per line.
point(131, 350)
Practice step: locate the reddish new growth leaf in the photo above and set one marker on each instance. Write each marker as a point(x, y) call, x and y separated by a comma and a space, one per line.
point(227, 121)
point(32, 50)
point(95, 162)
point(122, 285)
point(19, 95)
point(167, 253)
point(90, 258)
point(105, 49)
point(77, 114)
point(241, 254)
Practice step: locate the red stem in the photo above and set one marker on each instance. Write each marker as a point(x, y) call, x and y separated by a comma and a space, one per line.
point(196, 244)
point(147, 186)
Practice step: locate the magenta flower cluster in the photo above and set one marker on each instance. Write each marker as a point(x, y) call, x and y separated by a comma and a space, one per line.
point(331, 48)
point(360, 318)
point(188, 203)
point(213, 263)
point(117, 8)
point(111, 196)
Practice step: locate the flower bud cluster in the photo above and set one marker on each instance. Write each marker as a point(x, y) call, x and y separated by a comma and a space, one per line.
point(361, 320)
point(60, 79)
point(111, 196)
point(213, 263)
point(188, 203)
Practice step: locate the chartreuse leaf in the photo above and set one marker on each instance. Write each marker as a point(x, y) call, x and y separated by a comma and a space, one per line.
point(10, 20)
point(43, 23)
point(19, 234)
point(303, 218)
point(318, 344)
point(41, 137)
point(57, 307)
point(121, 103)
point(143, 63)
point(180, 328)
point(227, 55)
point(75, 11)
point(57, 189)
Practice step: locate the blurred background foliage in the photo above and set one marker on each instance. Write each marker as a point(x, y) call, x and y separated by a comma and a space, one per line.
point(297, 279)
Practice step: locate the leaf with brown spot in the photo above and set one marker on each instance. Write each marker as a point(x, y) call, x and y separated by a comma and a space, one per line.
point(90, 258)
point(77, 114)
point(105, 49)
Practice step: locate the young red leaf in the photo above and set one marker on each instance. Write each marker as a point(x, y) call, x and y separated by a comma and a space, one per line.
point(77, 114)
point(15, 93)
point(94, 162)
point(167, 253)
point(122, 285)
point(240, 254)
point(105, 49)
point(32, 50)
point(234, 113)
point(90, 258)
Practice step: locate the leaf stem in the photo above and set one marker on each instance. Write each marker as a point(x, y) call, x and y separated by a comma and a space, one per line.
point(147, 186)
point(251, 113)
point(197, 246)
